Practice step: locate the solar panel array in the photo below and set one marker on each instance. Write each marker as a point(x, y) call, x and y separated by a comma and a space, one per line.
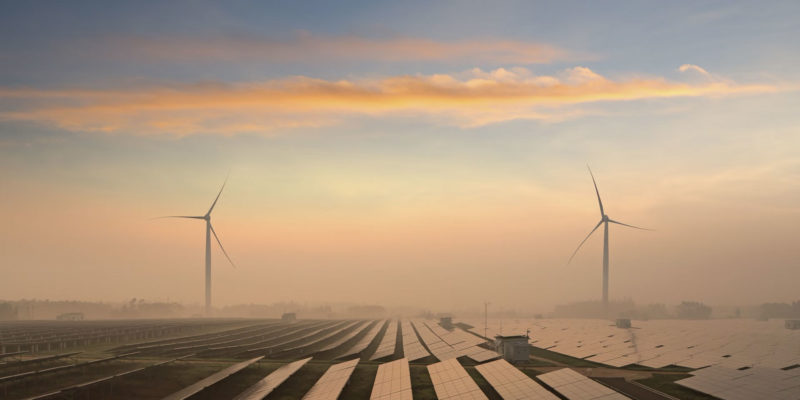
point(288, 339)
point(451, 381)
point(36, 336)
point(388, 342)
point(301, 348)
point(511, 383)
point(393, 381)
point(198, 386)
point(362, 326)
point(412, 348)
point(266, 385)
point(735, 343)
point(67, 391)
point(445, 344)
point(330, 385)
point(575, 386)
point(59, 368)
point(365, 341)
point(752, 383)
point(437, 346)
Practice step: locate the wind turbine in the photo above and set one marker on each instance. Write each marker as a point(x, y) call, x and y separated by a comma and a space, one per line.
point(604, 220)
point(209, 231)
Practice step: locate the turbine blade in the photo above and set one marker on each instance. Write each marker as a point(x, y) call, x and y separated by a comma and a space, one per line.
point(596, 191)
point(220, 246)
point(218, 194)
point(584, 241)
point(179, 216)
point(630, 226)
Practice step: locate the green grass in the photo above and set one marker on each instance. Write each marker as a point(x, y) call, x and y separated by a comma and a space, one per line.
point(487, 389)
point(666, 383)
point(298, 384)
point(421, 384)
point(360, 384)
point(58, 380)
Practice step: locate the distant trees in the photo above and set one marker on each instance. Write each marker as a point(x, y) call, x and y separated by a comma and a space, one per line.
point(693, 310)
point(780, 310)
point(594, 309)
point(7, 312)
point(367, 311)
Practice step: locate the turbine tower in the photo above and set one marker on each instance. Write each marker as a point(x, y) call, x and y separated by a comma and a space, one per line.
point(209, 231)
point(604, 220)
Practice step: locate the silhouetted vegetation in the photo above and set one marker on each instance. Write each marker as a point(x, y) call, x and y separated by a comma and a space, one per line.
point(693, 310)
point(780, 310)
point(7, 312)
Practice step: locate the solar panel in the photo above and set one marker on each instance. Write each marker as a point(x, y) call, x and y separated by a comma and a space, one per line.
point(346, 338)
point(303, 347)
point(265, 386)
point(393, 381)
point(412, 348)
point(451, 381)
point(733, 343)
point(330, 385)
point(386, 348)
point(511, 383)
point(63, 392)
point(198, 386)
point(575, 386)
point(463, 344)
point(753, 383)
point(365, 341)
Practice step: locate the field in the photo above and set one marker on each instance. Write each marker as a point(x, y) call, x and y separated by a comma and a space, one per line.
point(153, 359)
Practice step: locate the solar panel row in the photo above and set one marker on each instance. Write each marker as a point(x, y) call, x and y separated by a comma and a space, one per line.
point(463, 344)
point(752, 383)
point(393, 381)
point(266, 385)
point(451, 381)
point(575, 386)
point(511, 383)
point(412, 348)
point(198, 386)
point(362, 326)
point(734, 343)
point(365, 341)
point(302, 348)
point(388, 342)
point(330, 385)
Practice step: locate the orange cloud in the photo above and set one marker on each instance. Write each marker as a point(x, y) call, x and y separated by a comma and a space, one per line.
point(306, 46)
point(470, 99)
point(692, 67)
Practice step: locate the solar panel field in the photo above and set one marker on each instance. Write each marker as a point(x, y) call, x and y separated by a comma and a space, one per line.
point(388, 359)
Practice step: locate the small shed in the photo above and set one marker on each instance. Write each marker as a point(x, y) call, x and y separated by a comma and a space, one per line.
point(513, 348)
point(446, 321)
point(288, 317)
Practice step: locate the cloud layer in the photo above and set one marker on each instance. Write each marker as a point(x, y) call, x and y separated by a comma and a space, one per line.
point(473, 98)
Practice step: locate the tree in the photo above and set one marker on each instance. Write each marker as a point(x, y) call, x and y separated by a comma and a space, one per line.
point(693, 310)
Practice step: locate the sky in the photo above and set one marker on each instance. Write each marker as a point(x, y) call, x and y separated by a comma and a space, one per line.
point(400, 153)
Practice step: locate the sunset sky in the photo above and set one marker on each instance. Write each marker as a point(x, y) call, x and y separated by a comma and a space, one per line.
point(401, 153)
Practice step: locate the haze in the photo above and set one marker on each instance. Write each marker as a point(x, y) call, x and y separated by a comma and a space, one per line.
point(402, 154)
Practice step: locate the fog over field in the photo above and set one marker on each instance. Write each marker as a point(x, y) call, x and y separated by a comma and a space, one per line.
point(413, 156)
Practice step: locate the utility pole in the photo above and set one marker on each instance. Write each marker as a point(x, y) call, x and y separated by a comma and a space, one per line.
point(485, 319)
